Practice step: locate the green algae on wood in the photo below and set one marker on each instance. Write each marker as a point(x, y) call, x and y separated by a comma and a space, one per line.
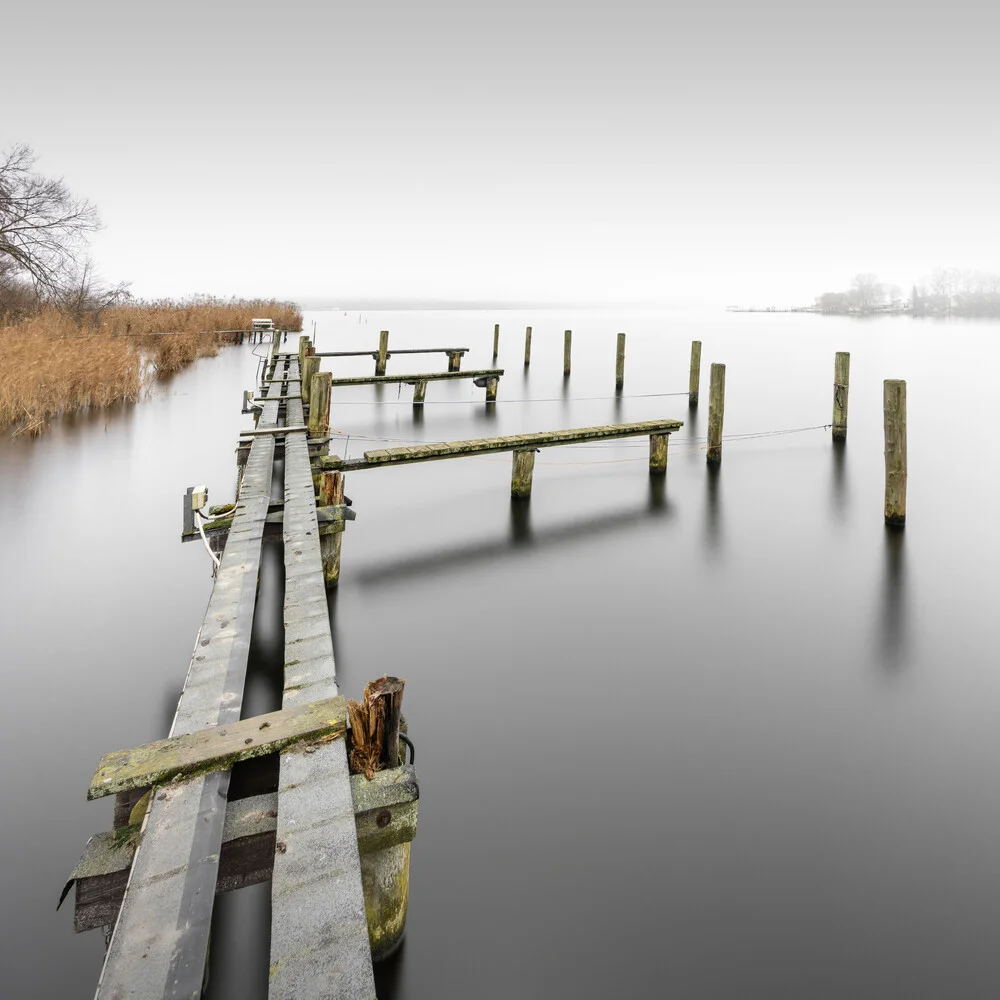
point(217, 748)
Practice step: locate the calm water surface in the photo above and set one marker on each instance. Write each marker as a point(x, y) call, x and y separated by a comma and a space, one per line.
point(724, 736)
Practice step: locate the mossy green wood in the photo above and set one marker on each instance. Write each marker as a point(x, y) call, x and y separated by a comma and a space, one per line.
point(419, 377)
point(694, 376)
point(217, 748)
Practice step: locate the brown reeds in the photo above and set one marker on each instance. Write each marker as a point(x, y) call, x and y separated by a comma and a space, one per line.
point(375, 726)
point(52, 363)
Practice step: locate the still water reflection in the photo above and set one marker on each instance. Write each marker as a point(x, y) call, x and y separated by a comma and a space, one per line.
point(717, 735)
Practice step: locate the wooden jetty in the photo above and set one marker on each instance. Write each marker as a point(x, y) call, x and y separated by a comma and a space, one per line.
point(484, 378)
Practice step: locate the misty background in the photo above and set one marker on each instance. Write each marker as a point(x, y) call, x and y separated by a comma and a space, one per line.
point(548, 152)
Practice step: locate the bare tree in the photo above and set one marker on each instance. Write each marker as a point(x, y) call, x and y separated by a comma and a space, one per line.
point(866, 292)
point(43, 225)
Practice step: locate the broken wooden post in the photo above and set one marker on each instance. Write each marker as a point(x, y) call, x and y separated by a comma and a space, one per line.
point(383, 352)
point(716, 411)
point(496, 339)
point(694, 378)
point(310, 366)
point(658, 453)
point(319, 403)
point(419, 392)
point(331, 534)
point(491, 389)
point(303, 344)
point(523, 466)
point(454, 361)
point(894, 419)
point(841, 384)
point(620, 362)
point(527, 346)
point(375, 726)
point(567, 350)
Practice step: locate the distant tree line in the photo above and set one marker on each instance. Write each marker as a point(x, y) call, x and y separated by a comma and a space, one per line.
point(948, 291)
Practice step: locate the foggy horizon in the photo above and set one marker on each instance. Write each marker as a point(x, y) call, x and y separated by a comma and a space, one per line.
point(543, 153)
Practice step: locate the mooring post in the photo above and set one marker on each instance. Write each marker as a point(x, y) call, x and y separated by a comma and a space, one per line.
point(894, 418)
point(419, 392)
point(455, 361)
point(496, 339)
point(567, 350)
point(303, 344)
point(527, 346)
point(310, 366)
point(319, 406)
point(383, 352)
point(620, 362)
point(694, 379)
point(523, 466)
point(658, 453)
point(331, 535)
point(716, 411)
point(491, 389)
point(841, 384)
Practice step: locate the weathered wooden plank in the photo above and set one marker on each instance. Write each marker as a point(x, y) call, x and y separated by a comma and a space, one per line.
point(408, 379)
point(160, 941)
point(407, 350)
point(319, 929)
point(216, 748)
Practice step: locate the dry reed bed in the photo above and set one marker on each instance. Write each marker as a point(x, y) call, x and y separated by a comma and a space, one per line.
point(52, 363)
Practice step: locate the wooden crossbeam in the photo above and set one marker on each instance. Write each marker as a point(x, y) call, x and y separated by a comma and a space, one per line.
point(217, 748)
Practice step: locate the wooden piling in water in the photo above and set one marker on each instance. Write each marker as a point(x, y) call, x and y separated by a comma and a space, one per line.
point(841, 384)
point(455, 361)
point(331, 536)
point(620, 362)
point(527, 346)
point(567, 350)
point(303, 344)
point(496, 339)
point(522, 468)
point(310, 366)
point(694, 378)
point(319, 403)
point(716, 412)
point(491, 389)
point(658, 453)
point(383, 352)
point(420, 392)
point(894, 420)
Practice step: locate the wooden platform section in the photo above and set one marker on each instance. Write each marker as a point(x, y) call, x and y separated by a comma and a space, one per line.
point(405, 350)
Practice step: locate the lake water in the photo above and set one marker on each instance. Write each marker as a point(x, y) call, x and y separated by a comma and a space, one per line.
point(717, 737)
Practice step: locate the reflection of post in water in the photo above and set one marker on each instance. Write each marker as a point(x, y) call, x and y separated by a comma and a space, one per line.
point(520, 521)
point(657, 493)
point(894, 626)
point(418, 415)
point(838, 492)
point(713, 473)
point(618, 404)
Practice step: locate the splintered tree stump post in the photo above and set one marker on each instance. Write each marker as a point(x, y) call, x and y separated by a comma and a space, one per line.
point(319, 405)
point(454, 361)
point(383, 352)
point(310, 367)
point(620, 362)
point(716, 412)
point(375, 726)
point(658, 453)
point(567, 350)
point(523, 467)
point(894, 417)
point(694, 379)
point(331, 536)
point(527, 346)
point(496, 339)
point(420, 392)
point(841, 384)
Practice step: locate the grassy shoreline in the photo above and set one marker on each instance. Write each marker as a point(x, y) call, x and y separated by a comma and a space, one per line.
point(53, 363)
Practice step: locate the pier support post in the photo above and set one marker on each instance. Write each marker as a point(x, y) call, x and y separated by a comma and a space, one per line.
point(620, 362)
point(496, 339)
point(383, 352)
point(303, 344)
point(694, 378)
point(527, 346)
point(716, 412)
point(331, 535)
point(567, 350)
point(319, 404)
point(310, 366)
point(455, 361)
point(523, 467)
point(491, 389)
point(419, 392)
point(841, 384)
point(894, 419)
point(658, 454)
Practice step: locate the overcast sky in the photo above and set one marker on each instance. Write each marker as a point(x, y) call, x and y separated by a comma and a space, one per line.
point(731, 152)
